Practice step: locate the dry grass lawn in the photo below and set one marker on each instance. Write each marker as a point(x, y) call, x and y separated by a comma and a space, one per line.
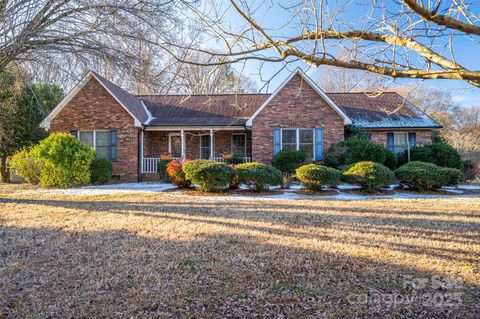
point(158, 256)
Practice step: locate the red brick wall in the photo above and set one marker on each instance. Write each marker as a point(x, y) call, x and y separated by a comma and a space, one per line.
point(297, 105)
point(380, 136)
point(93, 108)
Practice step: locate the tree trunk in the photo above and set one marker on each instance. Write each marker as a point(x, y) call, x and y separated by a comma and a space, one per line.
point(4, 171)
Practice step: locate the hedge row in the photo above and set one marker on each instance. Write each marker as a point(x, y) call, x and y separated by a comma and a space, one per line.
point(215, 176)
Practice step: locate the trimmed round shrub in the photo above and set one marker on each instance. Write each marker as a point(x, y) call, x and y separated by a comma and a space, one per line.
point(288, 161)
point(176, 175)
point(370, 176)
point(209, 175)
point(66, 160)
point(258, 177)
point(162, 169)
point(440, 154)
point(453, 176)
point(100, 171)
point(421, 176)
point(314, 177)
point(27, 165)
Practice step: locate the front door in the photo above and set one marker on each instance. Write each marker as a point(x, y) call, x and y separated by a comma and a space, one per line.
point(176, 146)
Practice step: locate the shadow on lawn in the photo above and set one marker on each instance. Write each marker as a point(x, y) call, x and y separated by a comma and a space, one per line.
point(49, 272)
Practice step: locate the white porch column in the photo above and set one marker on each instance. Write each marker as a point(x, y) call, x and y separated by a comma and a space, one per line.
point(182, 137)
point(141, 152)
point(212, 146)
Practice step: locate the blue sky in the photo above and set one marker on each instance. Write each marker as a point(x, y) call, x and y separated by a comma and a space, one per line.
point(467, 50)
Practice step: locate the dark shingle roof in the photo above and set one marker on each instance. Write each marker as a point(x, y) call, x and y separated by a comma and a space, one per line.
point(210, 110)
point(367, 110)
point(386, 110)
point(132, 103)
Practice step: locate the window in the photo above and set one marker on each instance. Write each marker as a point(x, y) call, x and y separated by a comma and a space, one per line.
point(175, 145)
point(86, 137)
point(400, 141)
point(298, 140)
point(104, 143)
point(204, 146)
point(239, 144)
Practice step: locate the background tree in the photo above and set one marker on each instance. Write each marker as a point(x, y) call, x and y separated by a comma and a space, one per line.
point(63, 38)
point(402, 39)
point(23, 106)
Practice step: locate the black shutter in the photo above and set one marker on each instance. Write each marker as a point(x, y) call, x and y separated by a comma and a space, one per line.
point(74, 133)
point(113, 145)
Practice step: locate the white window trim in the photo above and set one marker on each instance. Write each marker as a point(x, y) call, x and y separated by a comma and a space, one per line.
point(245, 146)
point(297, 138)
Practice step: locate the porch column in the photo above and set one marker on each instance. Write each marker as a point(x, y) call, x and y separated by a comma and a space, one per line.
point(182, 137)
point(141, 152)
point(212, 146)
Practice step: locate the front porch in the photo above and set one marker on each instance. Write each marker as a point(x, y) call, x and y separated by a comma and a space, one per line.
point(192, 143)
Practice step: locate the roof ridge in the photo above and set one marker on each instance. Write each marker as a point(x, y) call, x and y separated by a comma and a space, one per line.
point(220, 94)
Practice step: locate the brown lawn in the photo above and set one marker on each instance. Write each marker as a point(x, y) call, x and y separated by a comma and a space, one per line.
point(158, 256)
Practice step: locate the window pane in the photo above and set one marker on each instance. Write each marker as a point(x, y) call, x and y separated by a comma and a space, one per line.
point(176, 146)
point(308, 149)
point(103, 138)
point(289, 136)
point(205, 146)
point(102, 152)
point(400, 139)
point(238, 144)
point(289, 147)
point(86, 137)
point(306, 136)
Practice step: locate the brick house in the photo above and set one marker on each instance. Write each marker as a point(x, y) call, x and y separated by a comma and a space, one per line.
point(132, 131)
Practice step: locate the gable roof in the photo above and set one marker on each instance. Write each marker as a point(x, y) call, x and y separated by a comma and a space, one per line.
point(130, 103)
point(363, 109)
point(306, 78)
point(211, 110)
point(385, 110)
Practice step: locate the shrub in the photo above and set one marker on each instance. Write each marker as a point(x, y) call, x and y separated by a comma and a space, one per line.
point(234, 160)
point(209, 175)
point(100, 171)
point(66, 160)
point(440, 154)
point(452, 176)
point(288, 161)
point(258, 176)
point(365, 151)
point(370, 175)
point(355, 150)
point(470, 170)
point(27, 165)
point(176, 174)
point(390, 160)
point(162, 169)
point(314, 177)
point(421, 176)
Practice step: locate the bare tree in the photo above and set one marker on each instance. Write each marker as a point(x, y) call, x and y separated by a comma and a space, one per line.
point(66, 36)
point(408, 39)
